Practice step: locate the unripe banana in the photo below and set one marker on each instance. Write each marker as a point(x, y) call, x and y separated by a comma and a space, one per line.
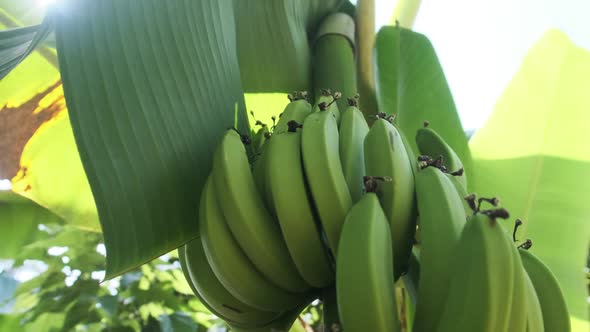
point(442, 219)
point(553, 305)
point(327, 102)
point(323, 170)
point(534, 311)
point(481, 279)
point(386, 155)
point(294, 209)
point(430, 143)
point(259, 138)
point(517, 299)
point(211, 292)
point(333, 64)
point(230, 264)
point(297, 110)
point(283, 323)
point(250, 223)
point(519, 306)
point(353, 129)
point(364, 270)
point(462, 191)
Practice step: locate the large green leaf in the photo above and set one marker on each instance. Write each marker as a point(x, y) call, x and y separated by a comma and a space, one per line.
point(411, 84)
point(150, 87)
point(534, 154)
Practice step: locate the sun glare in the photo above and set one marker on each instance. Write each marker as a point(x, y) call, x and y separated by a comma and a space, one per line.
point(46, 3)
point(5, 184)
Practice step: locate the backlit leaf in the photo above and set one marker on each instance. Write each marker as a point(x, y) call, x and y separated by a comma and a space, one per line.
point(534, 154)
point(17, 43)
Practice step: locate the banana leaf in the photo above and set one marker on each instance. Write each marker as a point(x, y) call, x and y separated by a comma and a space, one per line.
point(533, 153)
point(150, 88)
point(17, 43)
point(410, 83)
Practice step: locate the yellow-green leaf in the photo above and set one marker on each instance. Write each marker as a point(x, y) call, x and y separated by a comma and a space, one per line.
point(534, 154)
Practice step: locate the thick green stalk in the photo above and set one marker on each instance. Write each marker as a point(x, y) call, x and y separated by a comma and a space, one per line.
point(333, 58)
point(365, 37)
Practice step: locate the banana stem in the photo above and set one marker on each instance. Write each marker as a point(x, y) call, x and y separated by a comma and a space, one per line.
point(330, 310)
point(365, 37)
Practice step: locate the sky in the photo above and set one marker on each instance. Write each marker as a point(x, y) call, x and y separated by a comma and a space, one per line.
point(481, 44)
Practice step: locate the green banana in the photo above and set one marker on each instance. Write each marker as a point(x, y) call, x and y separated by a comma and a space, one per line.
point(519, 307)
point(294, 209)
point(462, 191)
point(231, 266)
point(481, 279)
point(442, 219)
point(364, 274)
point(327, 102)
point(410, 151)
point(297, 110)
point(534, 311)
point(553, 306)
point(283, 323)
point(259, 138)
point(323, 170)
point(252, 226)
point(333, 64)
point(430, 143)
point(386, 155)
point(353, 129)
point(211, 292)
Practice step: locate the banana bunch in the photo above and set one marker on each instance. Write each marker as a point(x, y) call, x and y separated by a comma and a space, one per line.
point(328, 202)
point(321, 205)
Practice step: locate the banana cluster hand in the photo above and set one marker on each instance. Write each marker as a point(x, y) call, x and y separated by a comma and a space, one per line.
point(472, 276)
point(348, 207)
